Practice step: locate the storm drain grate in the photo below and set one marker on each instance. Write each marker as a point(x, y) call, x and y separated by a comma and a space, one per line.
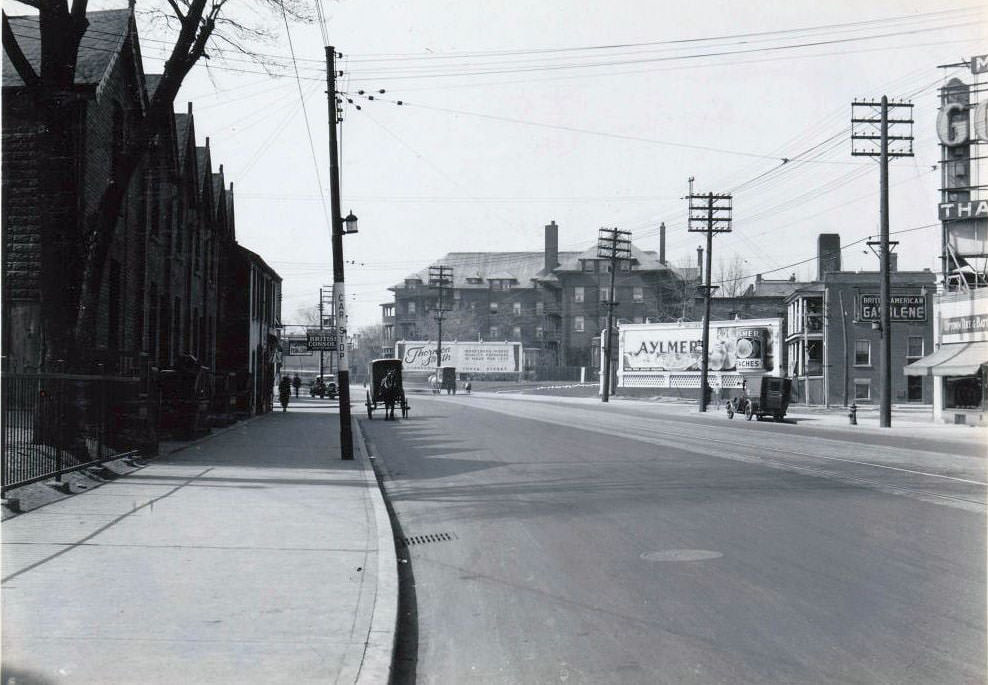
point(426, 539)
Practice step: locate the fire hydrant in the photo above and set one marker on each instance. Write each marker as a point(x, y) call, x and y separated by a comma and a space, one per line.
point(853, 415)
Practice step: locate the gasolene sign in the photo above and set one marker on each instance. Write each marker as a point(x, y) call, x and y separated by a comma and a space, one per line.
point(735, 347)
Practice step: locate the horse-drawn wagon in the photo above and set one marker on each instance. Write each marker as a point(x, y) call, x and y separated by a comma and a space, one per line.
point(386, 388)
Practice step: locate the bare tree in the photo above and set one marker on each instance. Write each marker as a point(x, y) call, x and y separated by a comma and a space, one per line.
point(82, 243)
point(731, 277)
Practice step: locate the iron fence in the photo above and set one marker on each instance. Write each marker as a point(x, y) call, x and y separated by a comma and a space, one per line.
point(52, 424)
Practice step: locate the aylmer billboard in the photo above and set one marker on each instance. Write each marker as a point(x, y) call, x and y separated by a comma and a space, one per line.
point(669, 355)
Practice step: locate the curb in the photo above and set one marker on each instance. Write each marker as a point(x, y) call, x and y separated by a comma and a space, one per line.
point(378, 655)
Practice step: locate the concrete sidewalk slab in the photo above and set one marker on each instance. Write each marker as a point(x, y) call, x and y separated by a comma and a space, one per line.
point(255, 556)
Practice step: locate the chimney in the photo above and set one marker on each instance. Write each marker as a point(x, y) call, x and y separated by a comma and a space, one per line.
point(662, 243)
point(828, 254)
point(551, 246)
point(699, 260)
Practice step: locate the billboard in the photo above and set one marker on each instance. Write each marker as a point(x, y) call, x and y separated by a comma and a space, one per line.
point(964, 316)
point(467, 357)
point(295, 347)
point(670, 354)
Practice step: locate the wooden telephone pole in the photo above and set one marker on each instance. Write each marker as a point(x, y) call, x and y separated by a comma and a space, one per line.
point(615, 246)
point(894, 138)
point(709, 213)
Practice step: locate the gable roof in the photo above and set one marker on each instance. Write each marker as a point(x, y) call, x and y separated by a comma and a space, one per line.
point(98, 51)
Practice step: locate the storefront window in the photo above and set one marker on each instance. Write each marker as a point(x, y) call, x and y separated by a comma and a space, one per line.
point(963, 392)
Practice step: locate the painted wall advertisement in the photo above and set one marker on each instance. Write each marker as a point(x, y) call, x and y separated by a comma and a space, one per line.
point(735, 346)
point(467, 357)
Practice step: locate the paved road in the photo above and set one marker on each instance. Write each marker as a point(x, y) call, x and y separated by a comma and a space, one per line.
point(545, 548)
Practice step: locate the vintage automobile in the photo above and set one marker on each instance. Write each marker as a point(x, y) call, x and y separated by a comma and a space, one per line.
point(323, 386)
point(763, 396)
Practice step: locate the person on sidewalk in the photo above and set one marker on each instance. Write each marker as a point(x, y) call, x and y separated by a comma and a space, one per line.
point(284, 392)
point(296, 383)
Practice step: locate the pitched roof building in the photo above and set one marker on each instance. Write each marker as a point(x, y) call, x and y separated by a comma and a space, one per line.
point(554, 303)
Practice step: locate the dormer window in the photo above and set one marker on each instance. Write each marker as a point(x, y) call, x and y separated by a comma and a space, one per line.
point(588, 265)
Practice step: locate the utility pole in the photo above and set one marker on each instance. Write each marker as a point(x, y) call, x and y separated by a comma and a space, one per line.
point(325, 320)
point(709, 213)
point(339, 288)
point(613, 245)
point(440, 278)
point(322, 362)
point(865, 116)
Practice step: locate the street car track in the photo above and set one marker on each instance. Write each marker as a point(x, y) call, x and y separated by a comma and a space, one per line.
point(752, 454)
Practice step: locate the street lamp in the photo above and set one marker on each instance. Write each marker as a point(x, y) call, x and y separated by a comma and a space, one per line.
point(350, 223)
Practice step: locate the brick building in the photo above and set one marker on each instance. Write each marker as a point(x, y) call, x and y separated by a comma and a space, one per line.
point(160, 295)
point(553, 302)
point(831, 336)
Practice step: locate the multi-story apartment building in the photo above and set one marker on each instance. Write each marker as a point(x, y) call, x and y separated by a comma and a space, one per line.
point(554, 302)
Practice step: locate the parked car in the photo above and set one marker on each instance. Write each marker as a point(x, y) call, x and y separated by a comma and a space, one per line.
point(323, 386)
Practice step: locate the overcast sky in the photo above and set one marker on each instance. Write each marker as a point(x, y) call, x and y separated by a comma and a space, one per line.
point(590, 113)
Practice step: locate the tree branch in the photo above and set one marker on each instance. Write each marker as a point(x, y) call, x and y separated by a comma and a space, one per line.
point(16, 55)
point(177, 10)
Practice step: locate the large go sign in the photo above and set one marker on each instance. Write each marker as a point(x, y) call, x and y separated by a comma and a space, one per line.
point(955, 128)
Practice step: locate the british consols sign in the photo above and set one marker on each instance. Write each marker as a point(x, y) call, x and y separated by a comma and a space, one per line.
point(903, 308)
point(321, 341)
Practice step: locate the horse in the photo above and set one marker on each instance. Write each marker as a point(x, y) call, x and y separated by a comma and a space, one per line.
point(389, 392)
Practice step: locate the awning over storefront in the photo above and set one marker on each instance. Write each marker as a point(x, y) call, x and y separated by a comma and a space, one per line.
point(957, 359)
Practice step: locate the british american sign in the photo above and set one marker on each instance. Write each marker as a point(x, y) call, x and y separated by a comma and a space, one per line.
point(903, 308)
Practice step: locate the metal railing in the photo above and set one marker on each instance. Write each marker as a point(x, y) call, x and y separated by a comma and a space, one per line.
point(52, 424)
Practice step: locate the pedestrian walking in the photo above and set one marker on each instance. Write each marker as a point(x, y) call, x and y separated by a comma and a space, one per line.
point(284, 392)
point(296, 383)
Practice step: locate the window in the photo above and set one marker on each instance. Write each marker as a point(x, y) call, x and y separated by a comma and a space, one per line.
point(638, 294)
point(862, 353)
point(605, 294)
point(862, 389)
point(539, 333)
point(578, 293)
point(516, 332)
point(516, 308)
point(588, 265)
point(603, 322)
point(625, 265)
point(578, 324)
point(914, 347)
point(539, 308)
point(639, 319)
point(411, 307)
point(494, 332)
point(493, 307)
point(814, 358)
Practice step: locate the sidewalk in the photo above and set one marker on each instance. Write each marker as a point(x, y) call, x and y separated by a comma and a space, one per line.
point(255, 555)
